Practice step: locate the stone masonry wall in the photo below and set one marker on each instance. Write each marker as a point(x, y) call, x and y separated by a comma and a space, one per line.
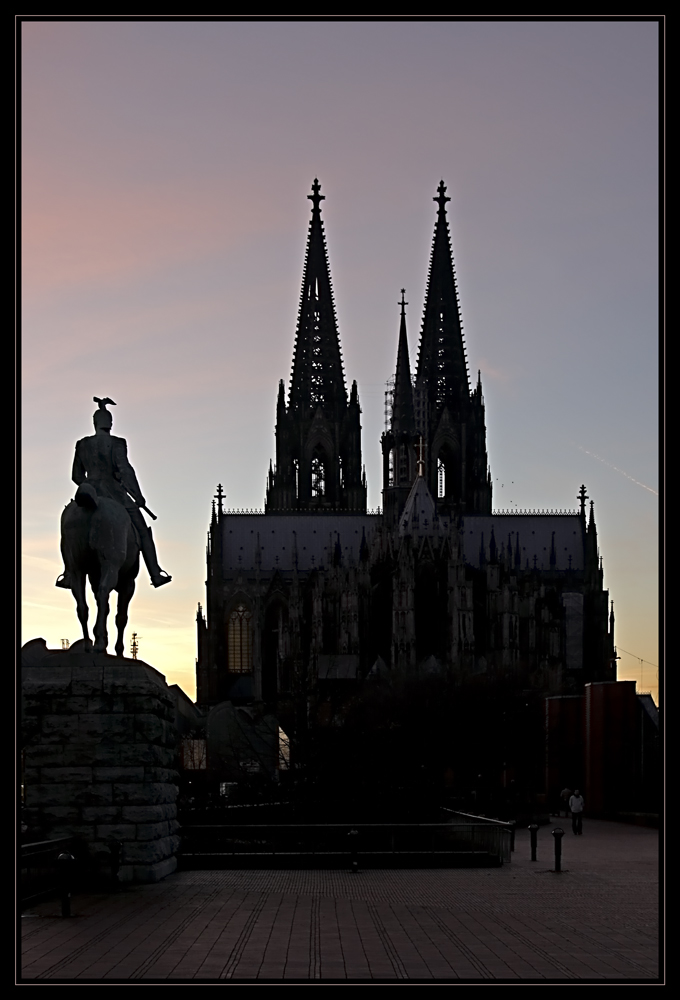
point(99, 757)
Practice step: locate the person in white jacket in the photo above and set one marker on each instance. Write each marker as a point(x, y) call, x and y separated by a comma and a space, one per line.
point(576, 806)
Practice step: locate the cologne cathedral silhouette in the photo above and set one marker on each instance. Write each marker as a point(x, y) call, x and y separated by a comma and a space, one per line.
point(317, 599)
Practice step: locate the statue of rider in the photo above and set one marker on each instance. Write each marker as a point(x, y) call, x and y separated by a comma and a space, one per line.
point(101, 462)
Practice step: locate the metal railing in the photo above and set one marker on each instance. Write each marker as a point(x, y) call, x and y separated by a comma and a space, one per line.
point(372, 840)
point(497, 833)
point(40, 876)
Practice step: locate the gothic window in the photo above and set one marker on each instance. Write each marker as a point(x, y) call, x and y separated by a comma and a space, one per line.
point(240, 641)
point(319, 485)
point(390, 471)
point(403, 464)
point(448, 474)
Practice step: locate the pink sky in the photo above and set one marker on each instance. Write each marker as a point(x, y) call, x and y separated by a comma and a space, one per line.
point(165, 169)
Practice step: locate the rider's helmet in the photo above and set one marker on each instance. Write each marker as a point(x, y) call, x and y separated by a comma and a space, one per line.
point(101, 417)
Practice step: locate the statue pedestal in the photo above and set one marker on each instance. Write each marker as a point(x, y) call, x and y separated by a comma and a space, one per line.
point(99, 757)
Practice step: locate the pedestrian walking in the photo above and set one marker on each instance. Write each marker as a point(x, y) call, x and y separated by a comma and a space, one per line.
point(576, 806)
point(565, 795)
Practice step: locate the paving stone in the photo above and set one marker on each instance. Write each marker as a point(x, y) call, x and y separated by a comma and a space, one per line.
point(519, 923)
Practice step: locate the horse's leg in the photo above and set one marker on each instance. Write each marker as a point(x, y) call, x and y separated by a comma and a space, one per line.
point(125, 592)
point(78, 591)
point(107, 581)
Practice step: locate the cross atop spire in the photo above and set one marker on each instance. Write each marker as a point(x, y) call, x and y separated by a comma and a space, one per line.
point(402, 303)
point(441, 198)
point(315, 197)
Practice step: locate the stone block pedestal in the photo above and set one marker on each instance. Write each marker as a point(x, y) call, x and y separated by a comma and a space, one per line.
point(99, 757)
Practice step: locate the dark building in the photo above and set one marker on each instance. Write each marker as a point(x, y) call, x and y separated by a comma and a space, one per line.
point(312, 599)
point(606, 743)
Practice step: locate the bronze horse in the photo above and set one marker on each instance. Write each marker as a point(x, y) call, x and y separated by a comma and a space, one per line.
point(98, 542)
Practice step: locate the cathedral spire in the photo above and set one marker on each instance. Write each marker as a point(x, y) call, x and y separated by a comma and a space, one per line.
point(448, 415)
point(441, 361)
point(591, 554)
point(318, 435)
point(399, 440)
point(403, 418)
point(317, 377)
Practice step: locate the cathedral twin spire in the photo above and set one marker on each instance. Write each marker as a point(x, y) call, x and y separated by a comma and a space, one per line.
point(441, 360)
point(438, 416)
point(318, 435)
point(317, 378)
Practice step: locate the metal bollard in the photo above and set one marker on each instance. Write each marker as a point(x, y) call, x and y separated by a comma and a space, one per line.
point(558, 833)
point(533, 830)
point(354, 851)
point(65, 871)
point(513, 824)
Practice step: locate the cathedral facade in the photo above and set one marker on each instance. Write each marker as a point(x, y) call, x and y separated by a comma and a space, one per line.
point(316, 596)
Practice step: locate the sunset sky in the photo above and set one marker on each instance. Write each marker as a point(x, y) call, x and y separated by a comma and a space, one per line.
point(165, 173)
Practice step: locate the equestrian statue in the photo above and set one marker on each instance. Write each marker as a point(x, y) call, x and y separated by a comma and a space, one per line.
point(103, 531)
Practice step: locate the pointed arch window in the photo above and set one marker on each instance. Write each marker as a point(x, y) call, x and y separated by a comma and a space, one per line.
point(240, 641)
point(403, 464)
point(449, 474)
point(319, 474)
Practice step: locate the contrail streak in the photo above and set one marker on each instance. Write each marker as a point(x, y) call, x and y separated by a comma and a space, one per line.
point(614, 467)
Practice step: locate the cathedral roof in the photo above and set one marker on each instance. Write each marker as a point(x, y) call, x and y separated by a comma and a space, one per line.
point(419, 516)
point(529, 537)
point(284, 541)
point(317, 377)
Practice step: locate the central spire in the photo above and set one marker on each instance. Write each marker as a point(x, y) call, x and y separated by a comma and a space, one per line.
point(317, 378)
point(398, 441)
point(403, 420)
